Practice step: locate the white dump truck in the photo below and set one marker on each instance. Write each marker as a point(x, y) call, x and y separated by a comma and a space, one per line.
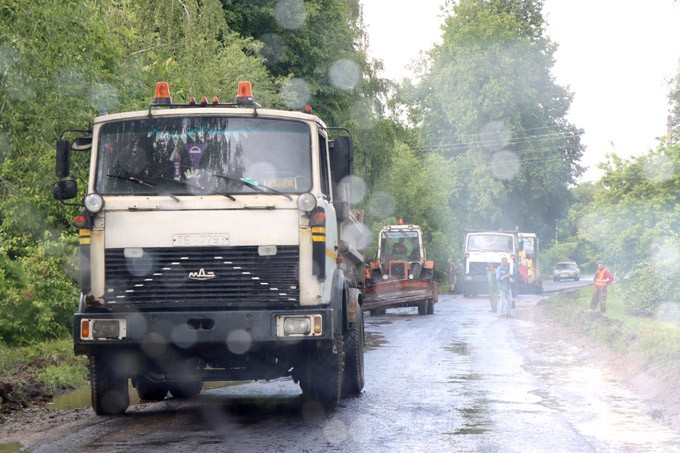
point(216, 244)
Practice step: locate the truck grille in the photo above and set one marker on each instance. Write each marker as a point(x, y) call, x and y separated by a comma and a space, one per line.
point(398, 269)
point(226, 276)
point(477, 268)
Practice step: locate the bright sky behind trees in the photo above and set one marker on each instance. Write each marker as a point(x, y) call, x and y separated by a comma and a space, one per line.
point(617, 57)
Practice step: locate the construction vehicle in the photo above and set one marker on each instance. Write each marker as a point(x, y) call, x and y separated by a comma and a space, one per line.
point(483, 250)
point(400, 275)
point(529, 274)
point(217, 243)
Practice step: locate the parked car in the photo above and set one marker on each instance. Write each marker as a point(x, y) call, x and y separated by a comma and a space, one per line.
point(566, 270)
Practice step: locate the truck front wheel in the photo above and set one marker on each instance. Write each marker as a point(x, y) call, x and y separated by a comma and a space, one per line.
point(322, 378)
point(353, 380)
point(109, 386)
point(430, 307)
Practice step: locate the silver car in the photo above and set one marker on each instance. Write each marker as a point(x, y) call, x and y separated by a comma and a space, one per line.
point(566, 270)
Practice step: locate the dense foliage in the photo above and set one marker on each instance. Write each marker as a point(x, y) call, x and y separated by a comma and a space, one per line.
point(633, 220)
point(492, 107)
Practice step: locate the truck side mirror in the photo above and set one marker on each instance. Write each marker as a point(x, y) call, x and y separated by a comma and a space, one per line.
point(82, 143)
point(63, 162)
point(65, 190)
point(342, 158)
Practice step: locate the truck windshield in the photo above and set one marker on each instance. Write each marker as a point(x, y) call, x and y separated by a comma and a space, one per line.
point(203, 154)
point(490, 242)
point(400, 245)
point(529, 245)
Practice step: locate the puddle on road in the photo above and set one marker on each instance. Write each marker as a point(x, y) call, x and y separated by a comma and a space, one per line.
point(596, 403)
point(373, 340)
point(10, 448)
point(81, 398)
point(463, 378)
point(459, 347)
point(476, 418)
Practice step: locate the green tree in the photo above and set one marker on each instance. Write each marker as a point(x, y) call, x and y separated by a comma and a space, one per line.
point(57, 65)
point(489, 102)
point(632, 223)
point(316, 43)
point(190, 45)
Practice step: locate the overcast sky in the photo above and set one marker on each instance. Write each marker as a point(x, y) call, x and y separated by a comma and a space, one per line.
point(616, 56)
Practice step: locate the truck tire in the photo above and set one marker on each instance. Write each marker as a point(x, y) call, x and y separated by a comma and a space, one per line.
point(185, 389)
point(149, 390)
point(430, 307)
point(109, 388)
point(422, 307)
point(353, 379)
point(322, 381)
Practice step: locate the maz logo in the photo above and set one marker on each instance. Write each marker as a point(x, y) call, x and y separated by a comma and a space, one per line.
point(201, 275)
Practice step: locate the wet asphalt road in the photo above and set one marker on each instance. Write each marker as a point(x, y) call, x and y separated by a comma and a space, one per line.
point(459, 380)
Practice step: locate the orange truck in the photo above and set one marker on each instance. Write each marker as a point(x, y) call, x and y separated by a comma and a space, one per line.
point(400, 275)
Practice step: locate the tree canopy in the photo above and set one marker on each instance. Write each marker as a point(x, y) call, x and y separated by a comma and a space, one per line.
point(491, 105)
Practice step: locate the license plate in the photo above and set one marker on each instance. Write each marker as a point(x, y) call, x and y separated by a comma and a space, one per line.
point(198, 240)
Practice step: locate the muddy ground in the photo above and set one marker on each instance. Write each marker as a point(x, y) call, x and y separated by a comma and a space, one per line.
point(24, 400)
point(20, 388)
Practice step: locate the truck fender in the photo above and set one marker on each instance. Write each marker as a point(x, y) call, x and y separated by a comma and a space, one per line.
point(338, 300)
point(353, 306)
point(429, 265)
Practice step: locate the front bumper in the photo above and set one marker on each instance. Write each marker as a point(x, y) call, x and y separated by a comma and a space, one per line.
point(199, 329)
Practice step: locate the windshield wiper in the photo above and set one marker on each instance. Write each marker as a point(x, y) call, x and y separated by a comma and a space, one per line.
point(205, 191)
point(143, 183)
point(173, 181)
point(257, 187)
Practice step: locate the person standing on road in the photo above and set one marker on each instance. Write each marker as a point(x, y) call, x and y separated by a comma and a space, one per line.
point(492, 286)
point(458, 271)
point(451, 275)
point(504, 279)
point(603, 278)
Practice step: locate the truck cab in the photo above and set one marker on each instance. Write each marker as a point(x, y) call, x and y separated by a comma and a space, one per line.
point(481, 250)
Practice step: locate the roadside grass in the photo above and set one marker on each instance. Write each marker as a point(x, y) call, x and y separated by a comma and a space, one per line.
point(36, 372)
point(654, 340)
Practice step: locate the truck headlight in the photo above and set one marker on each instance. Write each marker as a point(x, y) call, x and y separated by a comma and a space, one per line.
point(298, 325)
point(93, 202)
point(103, 329)
point(306, 202)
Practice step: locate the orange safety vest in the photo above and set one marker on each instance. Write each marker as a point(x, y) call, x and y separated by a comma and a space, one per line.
point(600, 280)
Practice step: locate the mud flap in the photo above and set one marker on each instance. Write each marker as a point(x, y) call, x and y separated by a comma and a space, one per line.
point(337, 296)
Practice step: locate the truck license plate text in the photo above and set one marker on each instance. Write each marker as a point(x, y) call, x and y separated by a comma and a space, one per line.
point(195, 240)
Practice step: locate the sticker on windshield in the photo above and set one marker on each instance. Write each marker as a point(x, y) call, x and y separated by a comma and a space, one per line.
point(195, 151)
point(289, 183)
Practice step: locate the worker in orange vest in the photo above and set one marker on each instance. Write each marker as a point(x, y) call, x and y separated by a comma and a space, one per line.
point(603, 278)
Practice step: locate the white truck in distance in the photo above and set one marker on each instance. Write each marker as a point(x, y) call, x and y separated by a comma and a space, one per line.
point(486, 248)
